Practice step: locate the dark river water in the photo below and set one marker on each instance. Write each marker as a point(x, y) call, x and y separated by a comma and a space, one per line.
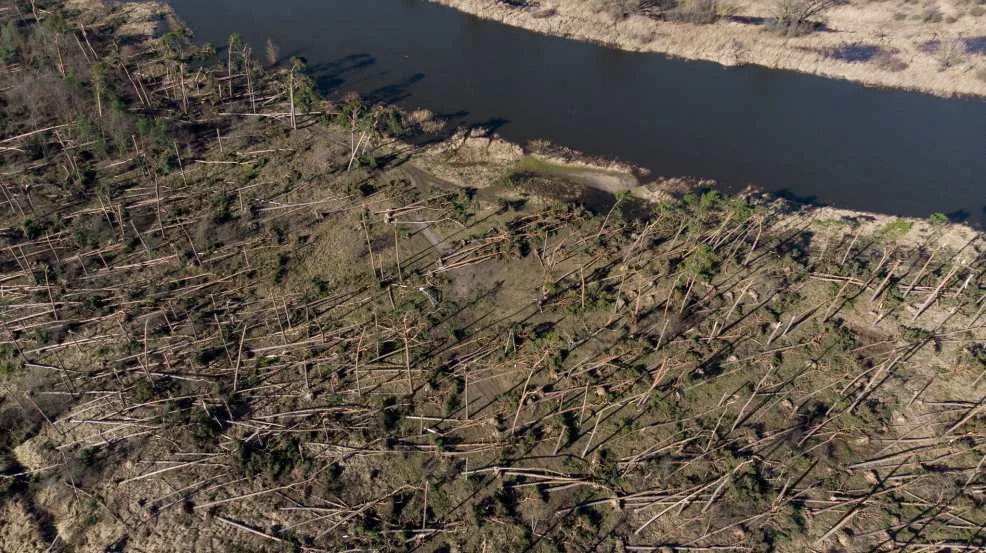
point(803, 137)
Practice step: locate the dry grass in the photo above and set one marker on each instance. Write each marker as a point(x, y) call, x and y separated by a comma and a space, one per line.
point(898, 27)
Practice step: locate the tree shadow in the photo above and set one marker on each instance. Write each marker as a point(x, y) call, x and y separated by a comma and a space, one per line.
point(330, 75)
point(791, 196)
point(393, 93)
point(853, 53)
point(287, 56)
point(960, 215)
point(748, 20)
point(490, 126)
point(975, 45)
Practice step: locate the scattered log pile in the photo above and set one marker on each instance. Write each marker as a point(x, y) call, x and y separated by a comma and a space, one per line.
point(214, 332)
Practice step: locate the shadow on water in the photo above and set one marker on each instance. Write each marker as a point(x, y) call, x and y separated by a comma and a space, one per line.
point(491, 125)
point(792, 196)
point(284, 58)
point(330, 75)
point(960, 216)
point(393, 93)
point(454, 118)
point(803, 137)
point(335, 76)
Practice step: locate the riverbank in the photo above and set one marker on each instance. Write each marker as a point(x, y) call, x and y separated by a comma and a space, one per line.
point(475, 156)
point(938, 49)
point(499, 168)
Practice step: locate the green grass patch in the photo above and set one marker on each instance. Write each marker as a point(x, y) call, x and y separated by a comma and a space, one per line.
point(895, 229)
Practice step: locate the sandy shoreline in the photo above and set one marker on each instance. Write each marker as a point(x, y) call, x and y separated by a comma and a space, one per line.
point(890, 44)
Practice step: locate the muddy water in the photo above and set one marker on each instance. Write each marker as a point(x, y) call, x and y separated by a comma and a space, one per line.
point(800, 136)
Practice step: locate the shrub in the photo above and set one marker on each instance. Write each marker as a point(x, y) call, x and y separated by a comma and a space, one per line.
point(895, 229)
point(539, 145)
point(695, 11)
point(282, 268)
point(9, 42)
point(949, 54)
point(932, 14)
point(888, 61)
point(615, 9)
point(702, 262)
point(799, 17)
point(7, 368)
point(856, 52)
point(9, 362)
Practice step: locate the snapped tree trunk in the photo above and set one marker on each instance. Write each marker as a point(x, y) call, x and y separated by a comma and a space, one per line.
point(294, 123)
point(99, 101)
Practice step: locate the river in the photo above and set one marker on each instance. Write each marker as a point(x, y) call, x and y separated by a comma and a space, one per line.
point(803, 137)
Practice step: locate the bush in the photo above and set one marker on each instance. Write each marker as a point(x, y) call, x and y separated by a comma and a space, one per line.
point(888, 61)
point(799, 17)
point(949, 54)
point(701, 263)
point(895, 229)
point(274, 458)
point(932, 14)
point(615, 9)
point(695, 11)
point(10, 41)
point(9, 363)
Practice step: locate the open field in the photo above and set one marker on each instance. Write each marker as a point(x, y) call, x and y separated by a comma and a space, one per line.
point(938, 46)
point(236, 317)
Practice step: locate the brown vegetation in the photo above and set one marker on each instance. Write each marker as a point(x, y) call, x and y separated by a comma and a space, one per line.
point(796, 35)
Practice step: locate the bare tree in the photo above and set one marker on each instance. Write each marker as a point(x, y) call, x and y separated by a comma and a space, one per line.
point(301, 90)
point(272, 52)
point(687, 11)
point(234, 44)
point(616, 9)
point(99, 78)
point(174, 54)
point(296, 65)
point(798, 17)
point(249, 66)
point(55, 26)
